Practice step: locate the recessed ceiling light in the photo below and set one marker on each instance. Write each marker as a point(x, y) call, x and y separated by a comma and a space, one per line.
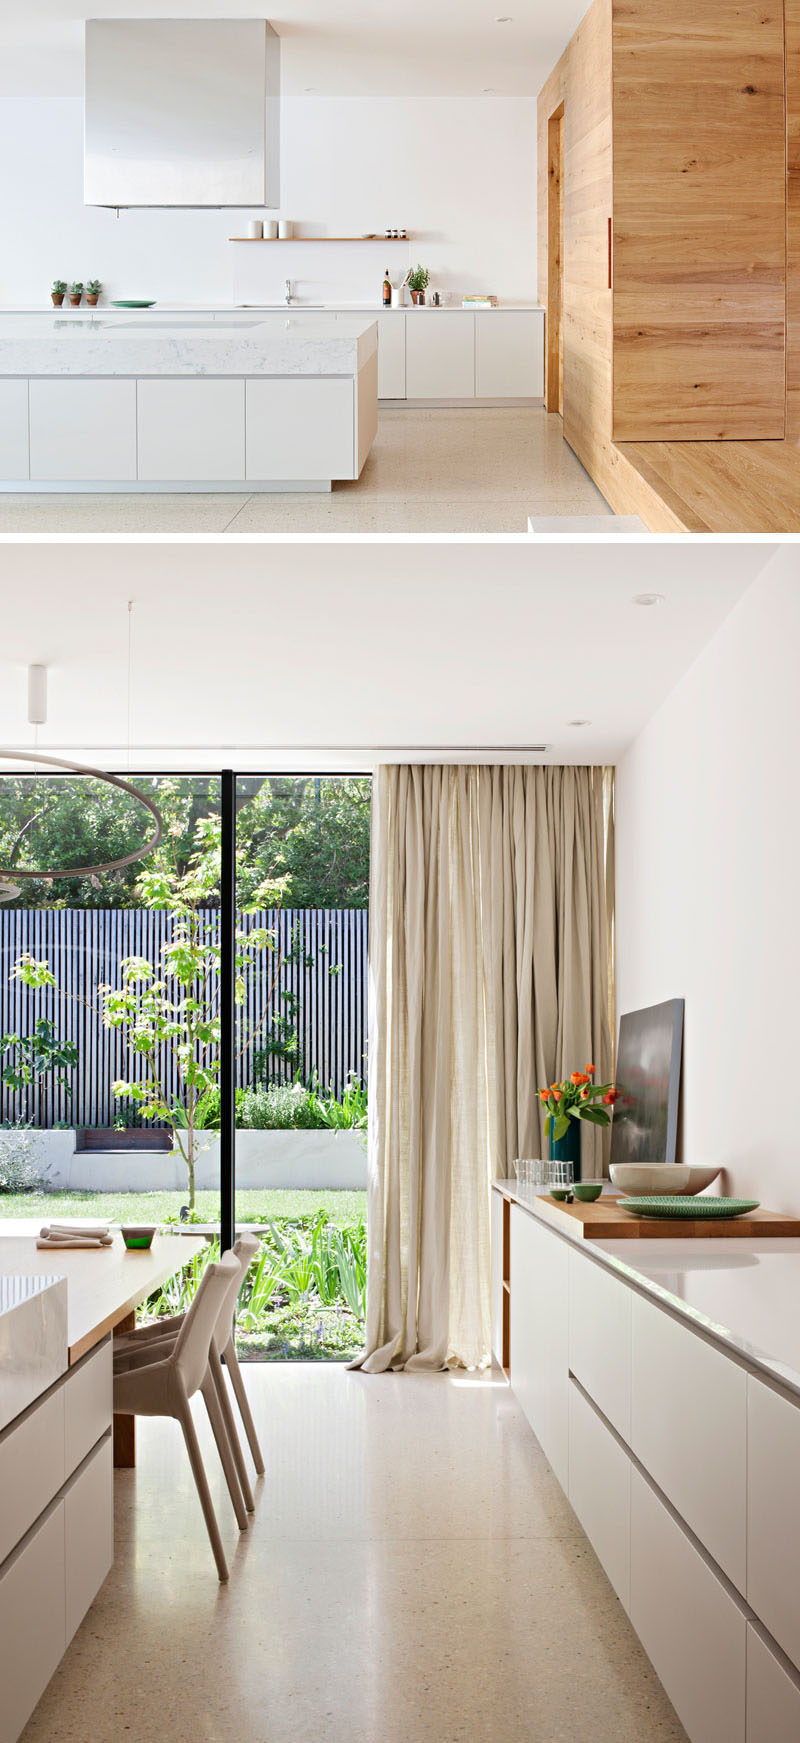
point(579, 723)
point(504, 20)
point(488, 90)
point(648, 599)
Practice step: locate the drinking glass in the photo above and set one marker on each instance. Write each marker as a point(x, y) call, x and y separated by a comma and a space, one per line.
point(561, 1177)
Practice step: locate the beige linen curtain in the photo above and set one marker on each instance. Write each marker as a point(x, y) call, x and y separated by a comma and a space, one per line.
point(489, 975)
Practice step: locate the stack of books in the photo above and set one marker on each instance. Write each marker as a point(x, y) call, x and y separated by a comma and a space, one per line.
point(476, 302)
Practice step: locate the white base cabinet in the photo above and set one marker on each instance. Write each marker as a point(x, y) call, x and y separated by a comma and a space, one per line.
point(509, 355)
point(14, 460)
point(83, 429)
point(681, 1466)
point(192, 430)
point(440, 355)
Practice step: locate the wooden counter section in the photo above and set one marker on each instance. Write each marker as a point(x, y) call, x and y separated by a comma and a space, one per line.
point(604, 1221)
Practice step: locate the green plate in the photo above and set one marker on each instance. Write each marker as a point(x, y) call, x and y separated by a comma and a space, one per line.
point(687, 1206)
point(132, 305)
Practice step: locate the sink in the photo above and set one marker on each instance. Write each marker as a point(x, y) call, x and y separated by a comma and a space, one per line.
point(284, 308)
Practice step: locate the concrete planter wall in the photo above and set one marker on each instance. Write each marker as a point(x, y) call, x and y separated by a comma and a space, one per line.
point(293, 1160)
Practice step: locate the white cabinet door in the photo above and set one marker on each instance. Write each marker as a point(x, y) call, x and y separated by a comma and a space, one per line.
point(539, 1335)
point(600, 1490)
point(773, 1514)
point(773, 1695)
point(83, 431)
point(693, 1631)
point(13, 429)
point(31, 1468)
point(509, 354)
point(32, 1622)
point(191, 430)
point(88, 1532)
point(300, 428)
point(689, 1429)
point(497, 1278)
point(392, 356)
point(600, 1338)
point(440, 354)
point(89, 1398)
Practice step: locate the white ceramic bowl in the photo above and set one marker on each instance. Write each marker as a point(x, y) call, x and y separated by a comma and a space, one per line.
point(661, 1177)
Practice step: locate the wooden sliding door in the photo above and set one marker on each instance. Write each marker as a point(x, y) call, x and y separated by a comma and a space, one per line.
point(699, 285)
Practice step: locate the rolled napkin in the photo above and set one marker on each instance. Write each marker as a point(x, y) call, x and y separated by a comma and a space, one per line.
point(59, 1235)
point(90, 1231)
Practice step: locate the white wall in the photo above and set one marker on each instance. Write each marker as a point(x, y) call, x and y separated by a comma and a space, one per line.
point(460, 172)
point(708, 883)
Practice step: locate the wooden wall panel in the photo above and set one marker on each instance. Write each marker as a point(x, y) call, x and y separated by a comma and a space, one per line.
point(699, 219)
point(793, 220)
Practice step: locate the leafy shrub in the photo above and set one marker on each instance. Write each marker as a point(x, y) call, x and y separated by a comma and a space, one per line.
point(282, 1107)
point(21, 1169)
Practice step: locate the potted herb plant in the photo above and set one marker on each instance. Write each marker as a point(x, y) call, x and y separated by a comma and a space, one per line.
point(58, 292)
point(418, 282)
point(93, 289)
point(75, 294)
point(577, 1098)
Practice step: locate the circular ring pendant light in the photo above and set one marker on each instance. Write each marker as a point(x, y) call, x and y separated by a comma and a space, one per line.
point(10, 877)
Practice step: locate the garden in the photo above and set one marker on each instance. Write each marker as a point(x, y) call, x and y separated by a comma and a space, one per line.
point(137, 1140)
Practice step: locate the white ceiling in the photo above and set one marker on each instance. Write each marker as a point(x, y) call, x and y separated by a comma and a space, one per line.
point(337, 47)
point(332, 655)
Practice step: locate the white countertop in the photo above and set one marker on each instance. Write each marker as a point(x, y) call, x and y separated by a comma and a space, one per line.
point(169, 342)
point(745, 1293)
point(105, 310)
point(33, 1337)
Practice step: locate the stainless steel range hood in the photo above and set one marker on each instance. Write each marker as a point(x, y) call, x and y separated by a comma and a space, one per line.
point(181, 112)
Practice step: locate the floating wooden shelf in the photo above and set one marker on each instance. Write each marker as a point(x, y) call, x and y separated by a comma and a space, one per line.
point(320, 238)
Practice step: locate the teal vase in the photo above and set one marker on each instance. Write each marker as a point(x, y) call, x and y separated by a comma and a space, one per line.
point(568, 1148)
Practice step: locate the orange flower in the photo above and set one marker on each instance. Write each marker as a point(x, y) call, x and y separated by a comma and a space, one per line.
point(611, 1097)
point(578, 1077)
point(591, 1068)
point(543, 1095)
point(584, 1094)
point(556, 1094)
point(554, 1086)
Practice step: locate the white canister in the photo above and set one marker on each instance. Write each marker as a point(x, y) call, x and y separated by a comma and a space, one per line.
point(270, 229)
point(398, 296)
point(285, 229)
point(255, 229)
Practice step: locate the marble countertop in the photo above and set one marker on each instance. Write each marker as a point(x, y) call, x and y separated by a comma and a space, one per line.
point(171, 343)
point(33, 1337)
point(745, 1294)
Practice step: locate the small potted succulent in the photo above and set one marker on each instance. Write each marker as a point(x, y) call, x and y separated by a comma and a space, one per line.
point(93, 288)
point(418, 282)
point(75, 294)
point(58, 292)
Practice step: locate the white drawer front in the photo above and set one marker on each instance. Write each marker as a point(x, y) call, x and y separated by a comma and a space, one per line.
point(14, 430)
point(539, 1306)
point(32, 1628)
point(89, 1532)
point(509, 354)
point(600, 1339)
point(191, 430)
point(89, 1398)
point(83, 430)
point(773, 1696)
point(693, 1631)
point(599, 1490)
point(773, 1514)
point(301, 428)
point(689, 1429)
point(32, 1469)
point(440, 354)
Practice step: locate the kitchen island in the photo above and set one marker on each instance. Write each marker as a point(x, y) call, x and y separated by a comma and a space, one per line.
point(176, 402)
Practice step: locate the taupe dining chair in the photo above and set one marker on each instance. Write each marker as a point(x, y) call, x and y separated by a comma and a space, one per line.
point(161, 1380)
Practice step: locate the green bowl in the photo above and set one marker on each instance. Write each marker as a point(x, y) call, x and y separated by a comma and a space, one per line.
point(561, 1194)
point(588, 1190)
point(139, 1238)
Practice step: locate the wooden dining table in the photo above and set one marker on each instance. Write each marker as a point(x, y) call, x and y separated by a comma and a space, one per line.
point(105, 1285)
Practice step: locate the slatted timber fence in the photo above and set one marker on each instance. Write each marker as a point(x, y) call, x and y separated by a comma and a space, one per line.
point(320, 958)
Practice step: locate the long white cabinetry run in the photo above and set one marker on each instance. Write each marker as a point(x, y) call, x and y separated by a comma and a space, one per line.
point(678, 1444)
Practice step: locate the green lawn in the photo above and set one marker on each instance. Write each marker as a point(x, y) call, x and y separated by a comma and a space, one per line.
point(154, 1207)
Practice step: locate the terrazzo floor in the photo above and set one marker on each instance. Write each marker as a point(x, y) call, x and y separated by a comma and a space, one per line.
point(444, 470)
point(414, 1574)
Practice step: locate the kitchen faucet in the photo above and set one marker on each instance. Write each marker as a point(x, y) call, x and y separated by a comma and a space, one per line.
point(289, 297)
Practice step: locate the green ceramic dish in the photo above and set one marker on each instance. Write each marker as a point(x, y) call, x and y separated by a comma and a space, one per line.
point(139, 1238)
point(688, 1206)
point(586, 1191)
point(561, 1194)
point(132, 303)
